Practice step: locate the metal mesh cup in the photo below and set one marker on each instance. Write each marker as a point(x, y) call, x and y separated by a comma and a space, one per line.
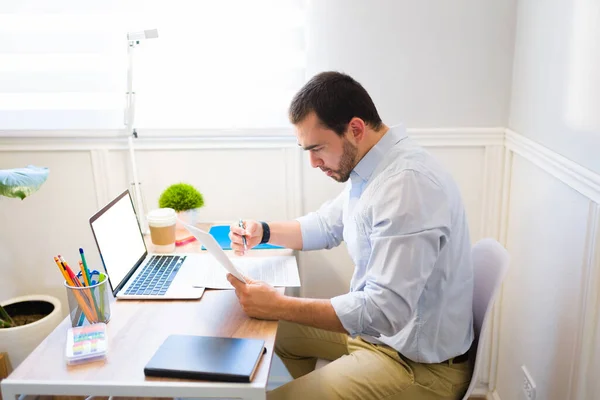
point(89, 304)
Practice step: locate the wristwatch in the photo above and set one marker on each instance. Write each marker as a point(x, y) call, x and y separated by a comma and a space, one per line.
point(266, 232)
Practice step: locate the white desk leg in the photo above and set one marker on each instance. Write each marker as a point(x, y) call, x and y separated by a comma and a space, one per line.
point(256, 396)
point(8, 394)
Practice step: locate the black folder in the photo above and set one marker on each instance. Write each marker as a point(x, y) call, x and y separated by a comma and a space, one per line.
point(206, 358)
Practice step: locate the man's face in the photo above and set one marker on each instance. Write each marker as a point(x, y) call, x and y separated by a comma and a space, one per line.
point(334, 155)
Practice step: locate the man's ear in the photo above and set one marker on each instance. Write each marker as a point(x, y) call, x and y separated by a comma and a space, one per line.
point(357, 129)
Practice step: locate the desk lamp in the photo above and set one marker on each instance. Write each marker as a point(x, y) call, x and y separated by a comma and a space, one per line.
point(133, 40)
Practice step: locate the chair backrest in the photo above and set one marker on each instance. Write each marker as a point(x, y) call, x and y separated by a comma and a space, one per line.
point(490, 263)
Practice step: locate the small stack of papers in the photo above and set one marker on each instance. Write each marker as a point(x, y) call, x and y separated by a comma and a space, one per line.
point(86, 343)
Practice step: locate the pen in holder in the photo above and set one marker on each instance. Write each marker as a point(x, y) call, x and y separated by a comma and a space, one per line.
point(89, 304)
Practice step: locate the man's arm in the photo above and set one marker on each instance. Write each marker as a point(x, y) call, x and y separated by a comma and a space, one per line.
point(318, 313)
point(286, 234)
point(322, 229)
point(261, 300)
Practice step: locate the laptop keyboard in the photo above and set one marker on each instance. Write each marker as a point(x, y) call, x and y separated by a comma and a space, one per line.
point(156, 276)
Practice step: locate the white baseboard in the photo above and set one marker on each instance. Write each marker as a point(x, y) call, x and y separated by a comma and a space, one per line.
point(493, 396)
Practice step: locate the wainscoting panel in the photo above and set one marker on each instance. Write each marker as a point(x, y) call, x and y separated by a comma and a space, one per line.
point(52, 221)
point(262, 178)
point(549, 308)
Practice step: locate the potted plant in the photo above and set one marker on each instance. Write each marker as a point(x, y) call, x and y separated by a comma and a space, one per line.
point(26, 320)
point(185, 199)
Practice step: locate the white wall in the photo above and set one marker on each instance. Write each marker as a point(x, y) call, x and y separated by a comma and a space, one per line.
point(546, 239)
point(436, 65)
point(549, 309)
point(556, 86)
point(264, 179)
point(428, 63)
point(425, 64)
point(241, 180)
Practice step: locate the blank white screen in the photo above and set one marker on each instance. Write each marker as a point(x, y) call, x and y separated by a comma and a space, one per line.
point(119, 239)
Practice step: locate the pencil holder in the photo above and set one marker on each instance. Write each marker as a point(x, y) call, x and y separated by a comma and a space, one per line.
point(89, 304)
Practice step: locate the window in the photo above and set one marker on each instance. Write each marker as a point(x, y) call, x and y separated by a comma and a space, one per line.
point(227, 64)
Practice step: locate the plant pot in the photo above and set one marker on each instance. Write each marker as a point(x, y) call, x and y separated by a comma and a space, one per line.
point(190, 217)
point(19, 341)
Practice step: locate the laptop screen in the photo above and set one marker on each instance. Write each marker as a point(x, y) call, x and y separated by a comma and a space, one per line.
point(119, 238)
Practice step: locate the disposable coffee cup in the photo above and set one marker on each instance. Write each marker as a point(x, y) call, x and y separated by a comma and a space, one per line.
point(162, 223)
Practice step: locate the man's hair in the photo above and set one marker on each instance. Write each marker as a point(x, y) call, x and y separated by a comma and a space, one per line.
point(336, 98)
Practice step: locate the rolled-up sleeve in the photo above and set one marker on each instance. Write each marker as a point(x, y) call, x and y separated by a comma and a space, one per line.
point(410, 219)
point(324, 228)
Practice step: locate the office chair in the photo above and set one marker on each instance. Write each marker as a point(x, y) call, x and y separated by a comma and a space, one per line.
point(490, 263)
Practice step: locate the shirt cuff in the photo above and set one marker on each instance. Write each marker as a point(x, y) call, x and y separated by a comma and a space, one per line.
point(350, 309)
point(310, 226)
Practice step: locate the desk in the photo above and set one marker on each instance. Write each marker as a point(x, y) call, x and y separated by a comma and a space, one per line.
point(135, 331)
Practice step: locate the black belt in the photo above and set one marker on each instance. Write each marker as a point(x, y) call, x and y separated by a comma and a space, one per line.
point(458, 359)
point(455, 360)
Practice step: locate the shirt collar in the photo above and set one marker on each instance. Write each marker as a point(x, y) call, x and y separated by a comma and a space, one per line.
point(365, 167)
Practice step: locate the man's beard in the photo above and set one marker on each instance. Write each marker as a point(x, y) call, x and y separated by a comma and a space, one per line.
point(347, 162)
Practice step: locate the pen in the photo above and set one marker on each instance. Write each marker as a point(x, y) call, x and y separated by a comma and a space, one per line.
point(241, 224)
point(85, 272)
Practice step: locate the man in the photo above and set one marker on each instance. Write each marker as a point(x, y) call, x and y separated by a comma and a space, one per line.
point(405, 328)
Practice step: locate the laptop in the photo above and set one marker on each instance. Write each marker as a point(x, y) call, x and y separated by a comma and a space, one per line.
point(132, 272)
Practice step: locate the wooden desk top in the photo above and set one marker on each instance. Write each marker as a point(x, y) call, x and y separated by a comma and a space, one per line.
point(135, 331)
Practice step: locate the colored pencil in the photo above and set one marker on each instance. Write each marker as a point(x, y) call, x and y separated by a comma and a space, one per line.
point(85, 271)
point(98, 310)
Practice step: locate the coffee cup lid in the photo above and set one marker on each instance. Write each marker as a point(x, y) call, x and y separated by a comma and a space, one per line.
point(162, 216)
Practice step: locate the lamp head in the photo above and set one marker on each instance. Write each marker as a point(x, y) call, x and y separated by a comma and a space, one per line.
point(142, 35)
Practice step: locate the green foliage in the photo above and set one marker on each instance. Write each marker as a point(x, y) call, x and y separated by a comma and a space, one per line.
point(19, 183)
point(181, 197)
point(22, 182)
point(5, 319)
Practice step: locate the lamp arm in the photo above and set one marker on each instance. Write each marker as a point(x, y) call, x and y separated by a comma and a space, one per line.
point(129, 119)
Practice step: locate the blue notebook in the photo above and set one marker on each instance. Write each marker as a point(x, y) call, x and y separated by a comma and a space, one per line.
point(221, 235)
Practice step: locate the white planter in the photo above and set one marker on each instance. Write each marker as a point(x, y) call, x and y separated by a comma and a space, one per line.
point(190, 217)
point(19, 341)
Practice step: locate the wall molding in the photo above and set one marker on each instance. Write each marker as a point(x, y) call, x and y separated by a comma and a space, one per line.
point(569, 172)
point(585, 345)
point(100, 170)
point(494, 396)
point(434, 137)
point(490, 227)
point(494, 346)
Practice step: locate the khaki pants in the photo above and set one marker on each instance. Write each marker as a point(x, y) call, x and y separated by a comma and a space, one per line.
point(361, 370)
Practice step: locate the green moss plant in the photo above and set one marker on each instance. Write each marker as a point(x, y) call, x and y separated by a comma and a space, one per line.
point(181, 197)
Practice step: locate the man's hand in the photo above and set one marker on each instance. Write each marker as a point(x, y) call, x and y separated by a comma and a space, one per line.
point(258, 299)
point(252, 231)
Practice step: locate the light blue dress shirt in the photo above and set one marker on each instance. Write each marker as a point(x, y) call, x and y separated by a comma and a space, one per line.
point(404, 223)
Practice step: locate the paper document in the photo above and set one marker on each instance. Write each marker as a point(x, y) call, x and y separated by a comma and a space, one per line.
point(276, 270)
point(215, 250)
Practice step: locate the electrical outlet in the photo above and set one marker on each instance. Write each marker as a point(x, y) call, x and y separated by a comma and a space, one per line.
point(528, 385)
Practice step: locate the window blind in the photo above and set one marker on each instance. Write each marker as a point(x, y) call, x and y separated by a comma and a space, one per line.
point(231, 64)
